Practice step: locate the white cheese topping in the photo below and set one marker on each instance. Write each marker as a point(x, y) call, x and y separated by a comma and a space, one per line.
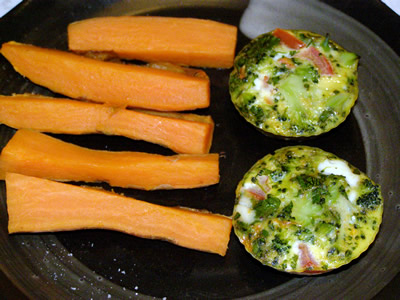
point(258, 84)
point(245, 209)
point(263, 88)
point(295, 248)
point(246, 186)
point(338, 167)
point(353, 195)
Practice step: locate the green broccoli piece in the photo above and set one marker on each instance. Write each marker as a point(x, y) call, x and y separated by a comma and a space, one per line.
point(307, 73)
point(257, 49)
point(348, 59)
point(267, 207)
point(307, 182)
point(292, 88)
point(371, 198)
point(258, 247)
point(286, 212)
point(318, 195)
point(336, 101)
point(316, 185)
point(326, 114)
point(280, 245)
point(305, 234)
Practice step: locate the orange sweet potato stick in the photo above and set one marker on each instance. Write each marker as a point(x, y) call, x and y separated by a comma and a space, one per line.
point(183, 133)
point(40, 205)
point(112, 83)
point(186, 41)
point(36, 154)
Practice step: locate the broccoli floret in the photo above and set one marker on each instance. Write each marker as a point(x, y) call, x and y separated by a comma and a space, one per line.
point(307, 182)
point(258, 114)
point(337, 100)
point(369, 185)
point(247, 103)
point(257, 49)
point(267, 207)
point(343, 192)
point(280, 245)
point(292, 89)
point(326, 114)
point(305, 234)
point(324, 228)
point(318, 189)
point(307, 73)
point(242, 227)
point(286, 212)
point(247, 63)
point(258, 247)
point(371, 198)
point(318, 195)
point(348, 59)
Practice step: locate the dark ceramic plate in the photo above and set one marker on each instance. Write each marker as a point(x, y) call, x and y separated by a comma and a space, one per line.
point(104, 264)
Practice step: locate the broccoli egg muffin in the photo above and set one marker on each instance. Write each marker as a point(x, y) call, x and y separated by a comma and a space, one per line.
point(303, 210)
point(294, 83)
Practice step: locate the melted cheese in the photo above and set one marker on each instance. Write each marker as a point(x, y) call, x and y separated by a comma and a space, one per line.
point(245, 209)
point(338, 167)
point(264, 90)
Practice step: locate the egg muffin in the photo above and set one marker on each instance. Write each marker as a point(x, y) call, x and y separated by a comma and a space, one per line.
point(304, 210)
point(294, 83)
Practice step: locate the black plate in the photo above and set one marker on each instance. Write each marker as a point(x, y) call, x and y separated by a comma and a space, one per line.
point(104, 264)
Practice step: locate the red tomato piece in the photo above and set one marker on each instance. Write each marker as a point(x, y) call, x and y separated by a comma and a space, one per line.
point(318, 59)
point(306, 259)
point(288, 39)
point(257, 193)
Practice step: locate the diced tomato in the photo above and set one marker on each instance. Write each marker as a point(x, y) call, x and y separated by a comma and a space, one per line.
point(318, 59)
point(306, 259)
point(288, 62)
point(288, 39)
point(257, 193)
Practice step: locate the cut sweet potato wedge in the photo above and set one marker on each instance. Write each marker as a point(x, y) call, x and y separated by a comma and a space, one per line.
point(40, 205)
point(112, 83)
point(186, 41)
point(183, 133)
point(36, 154)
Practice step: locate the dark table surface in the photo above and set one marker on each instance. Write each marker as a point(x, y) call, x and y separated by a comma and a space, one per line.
point(373, 14)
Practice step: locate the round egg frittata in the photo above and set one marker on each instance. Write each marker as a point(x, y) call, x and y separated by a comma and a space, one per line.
point(294, 83)
point(304, 210)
